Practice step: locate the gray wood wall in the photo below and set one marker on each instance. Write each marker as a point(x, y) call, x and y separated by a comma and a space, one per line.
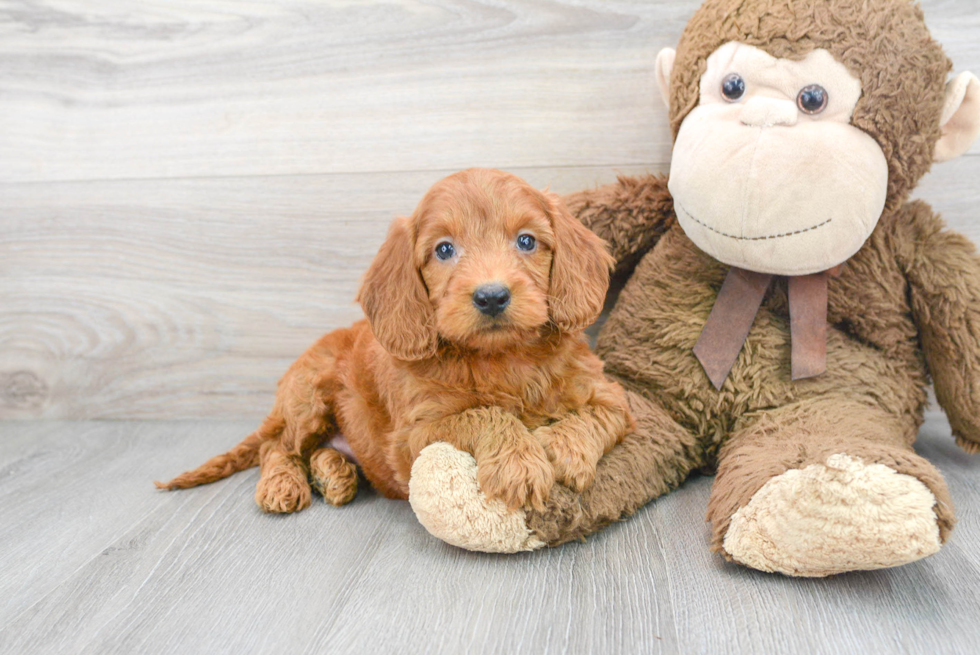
point(190, 190)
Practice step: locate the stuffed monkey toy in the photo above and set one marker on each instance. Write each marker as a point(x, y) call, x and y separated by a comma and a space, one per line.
point(786, 304)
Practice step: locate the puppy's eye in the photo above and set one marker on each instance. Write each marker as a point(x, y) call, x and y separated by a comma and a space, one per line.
point(733, 87)
point(526, 242)
point(445, 250)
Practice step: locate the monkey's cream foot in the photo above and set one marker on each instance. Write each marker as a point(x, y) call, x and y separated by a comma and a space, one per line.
point(333, 476)
point(829, 518)
point(446, 497)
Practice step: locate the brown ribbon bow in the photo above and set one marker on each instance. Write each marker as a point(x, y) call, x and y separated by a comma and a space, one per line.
point(731, 318)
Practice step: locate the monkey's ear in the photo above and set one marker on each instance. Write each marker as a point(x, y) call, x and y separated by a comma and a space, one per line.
point(961, 117)
point(665, 64)
point(395, 300)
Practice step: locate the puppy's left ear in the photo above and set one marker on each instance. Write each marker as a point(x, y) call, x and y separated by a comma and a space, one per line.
point(395, 300)
point(580, 267)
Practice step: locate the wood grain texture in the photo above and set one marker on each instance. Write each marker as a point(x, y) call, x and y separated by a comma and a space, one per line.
point(182, 298)
point(190, 191)
point(97, 561)
point(168, 88)
point(197, 88)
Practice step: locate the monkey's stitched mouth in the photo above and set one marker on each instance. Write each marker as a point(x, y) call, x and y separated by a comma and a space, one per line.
point(762, 238)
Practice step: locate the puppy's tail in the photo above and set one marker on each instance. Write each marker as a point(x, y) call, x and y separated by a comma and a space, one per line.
point(243, 456)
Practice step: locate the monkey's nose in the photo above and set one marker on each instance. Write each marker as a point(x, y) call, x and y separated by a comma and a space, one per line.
point(768, 112)
point(491, 299)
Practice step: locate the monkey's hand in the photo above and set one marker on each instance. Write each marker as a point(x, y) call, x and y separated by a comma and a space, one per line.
point(943, 271)
point(631, 214)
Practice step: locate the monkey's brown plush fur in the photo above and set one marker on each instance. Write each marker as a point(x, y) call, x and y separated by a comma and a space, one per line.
point(910, 296)
point(904, 311)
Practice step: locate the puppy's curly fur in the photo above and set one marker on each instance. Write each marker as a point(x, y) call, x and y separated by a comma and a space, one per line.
point(518, 388)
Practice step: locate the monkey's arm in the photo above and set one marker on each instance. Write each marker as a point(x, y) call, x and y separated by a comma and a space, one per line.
point(650, 461)
point(630, 214)
point(943, 271)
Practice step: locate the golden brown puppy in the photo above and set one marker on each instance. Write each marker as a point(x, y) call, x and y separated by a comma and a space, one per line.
point(475, 309)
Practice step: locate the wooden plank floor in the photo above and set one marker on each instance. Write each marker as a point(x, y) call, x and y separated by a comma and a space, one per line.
point(97, 561)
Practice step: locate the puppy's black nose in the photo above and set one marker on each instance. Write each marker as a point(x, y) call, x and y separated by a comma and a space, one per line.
point(491, 299)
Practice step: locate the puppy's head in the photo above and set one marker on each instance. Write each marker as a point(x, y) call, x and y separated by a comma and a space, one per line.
point(486, 262)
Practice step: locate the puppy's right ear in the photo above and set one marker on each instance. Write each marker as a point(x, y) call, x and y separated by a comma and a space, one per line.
point(395, 299)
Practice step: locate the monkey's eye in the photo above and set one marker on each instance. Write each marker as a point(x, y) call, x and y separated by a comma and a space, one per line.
point(812, 99)
point(526, 242)
point(445, 250)
point(733, 87)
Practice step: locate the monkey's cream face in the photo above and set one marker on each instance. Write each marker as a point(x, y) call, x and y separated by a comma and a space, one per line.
point(768, 174)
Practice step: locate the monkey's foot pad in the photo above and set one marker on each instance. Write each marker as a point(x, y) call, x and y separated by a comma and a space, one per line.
point(447, 500)
point(829, 518)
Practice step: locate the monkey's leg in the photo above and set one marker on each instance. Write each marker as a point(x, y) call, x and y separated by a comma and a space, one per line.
point(826, 486)
point(648, 463)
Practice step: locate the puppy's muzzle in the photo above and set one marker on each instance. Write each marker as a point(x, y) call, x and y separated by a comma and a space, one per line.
point(491, 299)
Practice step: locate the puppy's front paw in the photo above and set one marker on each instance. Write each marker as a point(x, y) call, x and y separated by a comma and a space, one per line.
point(519, 474)
point(574, 465)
